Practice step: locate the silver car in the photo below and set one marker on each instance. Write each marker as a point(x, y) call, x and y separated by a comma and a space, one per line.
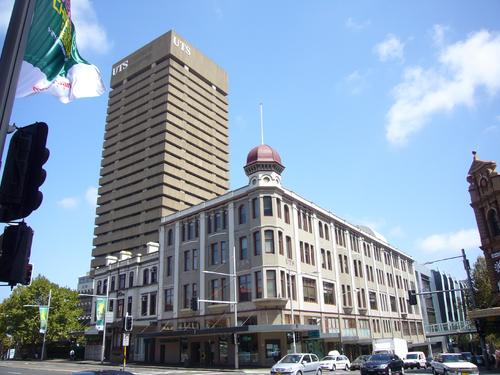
point(297, 364)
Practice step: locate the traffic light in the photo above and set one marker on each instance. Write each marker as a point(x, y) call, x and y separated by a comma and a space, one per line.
point(128, 323)
point(194, 304)
point(16, 250)
point(412, 297)
point(27, 275)
point(23, 173)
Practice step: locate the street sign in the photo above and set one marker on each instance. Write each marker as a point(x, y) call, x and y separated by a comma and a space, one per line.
point(109, 317)
point(126, 339)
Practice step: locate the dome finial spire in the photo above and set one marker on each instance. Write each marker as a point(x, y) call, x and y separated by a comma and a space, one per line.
point(261, 125)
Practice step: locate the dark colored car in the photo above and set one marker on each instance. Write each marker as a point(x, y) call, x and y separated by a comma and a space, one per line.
point(102, 372)
point(356, 364)
point(383, 364)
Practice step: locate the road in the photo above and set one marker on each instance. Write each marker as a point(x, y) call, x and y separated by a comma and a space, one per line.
point(52, 367)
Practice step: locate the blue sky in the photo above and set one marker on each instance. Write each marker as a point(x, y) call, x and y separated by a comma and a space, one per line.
point(374, 107)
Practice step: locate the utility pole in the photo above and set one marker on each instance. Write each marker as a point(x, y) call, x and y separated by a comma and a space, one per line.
point(11, 60)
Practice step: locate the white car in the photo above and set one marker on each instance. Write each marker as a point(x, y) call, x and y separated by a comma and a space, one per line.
point(415, 359)
point(297, 364)
point(452, 364)
point(333, 362)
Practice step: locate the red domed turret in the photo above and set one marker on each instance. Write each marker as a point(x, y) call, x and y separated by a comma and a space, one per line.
point(263, 158)
point(263, 153)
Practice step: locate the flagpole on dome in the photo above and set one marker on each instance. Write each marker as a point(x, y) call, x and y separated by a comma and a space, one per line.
point(261, 125)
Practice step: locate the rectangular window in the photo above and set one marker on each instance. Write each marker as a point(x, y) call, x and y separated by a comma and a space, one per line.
point(329, 293)
point(187, 260)
point(255, 208)
point(169, 300)
point(256, 243)
point(258, 284)
point(152, 304)
point(119, 308)
point(225, 295)
point(283, 284)
point(278, 207)
point(217, 222)
point(144, 304)
point(195, 259)
point(309, 289)
point(186, 289)
point(329, 259)
point(346, 295)
point(244, 288)
point(215, 290)
point(394, 307)
point(214, 253)
point(323, 258)
point(291, 280)
point(271, 283)
point(289, 247)
point(223, 252)
point(302, 257)
point(169, 266)
point(280, 243)
point(269, 241)
point(131, 279)
point(243, 248)
point(268, 206)
point(121, 281)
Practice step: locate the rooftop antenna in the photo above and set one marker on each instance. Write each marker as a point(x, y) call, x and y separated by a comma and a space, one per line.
point(261, 125)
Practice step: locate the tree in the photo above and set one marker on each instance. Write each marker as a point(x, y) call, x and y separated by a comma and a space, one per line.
point(483, 290)
point(22, 324)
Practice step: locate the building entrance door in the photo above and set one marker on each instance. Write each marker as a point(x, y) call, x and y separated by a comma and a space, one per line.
point(195, 353)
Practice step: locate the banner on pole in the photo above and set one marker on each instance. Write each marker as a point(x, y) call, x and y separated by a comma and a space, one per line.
point(51, 61)
point(44, 318)
point(100, 312)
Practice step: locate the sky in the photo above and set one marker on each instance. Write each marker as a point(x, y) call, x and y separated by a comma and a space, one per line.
point(374, 107)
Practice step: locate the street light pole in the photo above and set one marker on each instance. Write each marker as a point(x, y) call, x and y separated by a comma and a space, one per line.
point(45, 333)
point(291, 304)
point(104, 324)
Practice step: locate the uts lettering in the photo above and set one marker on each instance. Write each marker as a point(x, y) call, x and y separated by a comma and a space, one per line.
point(183, 46)
point(121, 67)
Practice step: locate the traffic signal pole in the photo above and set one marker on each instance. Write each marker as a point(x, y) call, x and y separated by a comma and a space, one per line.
point(11, 61)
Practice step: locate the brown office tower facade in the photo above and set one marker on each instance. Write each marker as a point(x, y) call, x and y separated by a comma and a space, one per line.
point(165, 144)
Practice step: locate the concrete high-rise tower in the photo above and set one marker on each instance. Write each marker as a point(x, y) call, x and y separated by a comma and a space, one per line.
point(165, 145)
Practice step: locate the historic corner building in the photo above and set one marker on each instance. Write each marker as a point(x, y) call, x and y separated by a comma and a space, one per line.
point(166, 143)
point(484, 189)
point(299, 271)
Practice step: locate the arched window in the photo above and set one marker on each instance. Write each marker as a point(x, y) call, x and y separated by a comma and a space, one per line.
point(493, 222)
point(145, 276)
point(154, 275)
point(327, 232)
point(99, 286)
point(170, 237)
point(105, 286)
point(242, 214)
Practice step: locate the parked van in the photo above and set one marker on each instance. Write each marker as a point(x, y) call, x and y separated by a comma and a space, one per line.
point(415, 360)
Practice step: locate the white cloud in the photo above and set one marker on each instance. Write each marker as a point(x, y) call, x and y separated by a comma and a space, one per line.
point(438, 32)
point(462, 69)
point(5, 11)
point(91, 196)
point(390, 49)
point(90, 35)
point(397, 231)
point(354, 25)
point(356, 82)
point(450, 242)
point(68, 203)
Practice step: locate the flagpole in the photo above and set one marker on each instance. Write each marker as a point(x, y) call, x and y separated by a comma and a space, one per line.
point(45, 333)
point(11, 60)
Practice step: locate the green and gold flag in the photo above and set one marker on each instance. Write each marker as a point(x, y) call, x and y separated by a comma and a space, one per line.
point(100, 313)
point(51, 61)
point(44, 318)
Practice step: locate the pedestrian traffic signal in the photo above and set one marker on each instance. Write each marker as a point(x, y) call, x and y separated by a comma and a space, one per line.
point(128, 323)
point(412, 297)
point(194, 304)
point(23, 173)
point(16, 250)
